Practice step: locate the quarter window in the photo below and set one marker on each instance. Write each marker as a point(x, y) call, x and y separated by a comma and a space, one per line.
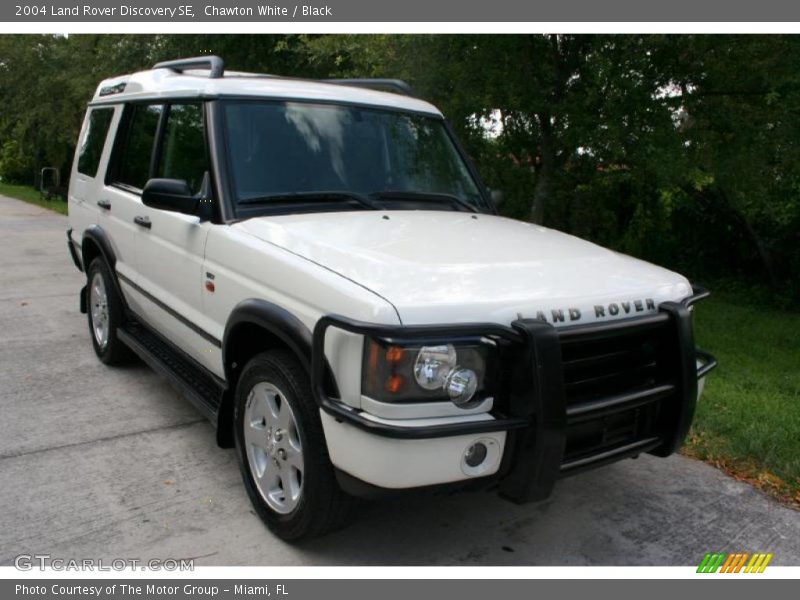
point(94, 139)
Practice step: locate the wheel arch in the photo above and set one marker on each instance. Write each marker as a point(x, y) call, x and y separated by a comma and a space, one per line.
point(96, 243)
point(255, 326)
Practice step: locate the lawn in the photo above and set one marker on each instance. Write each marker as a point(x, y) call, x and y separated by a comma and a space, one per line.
point(29, 194)
point(748, 420)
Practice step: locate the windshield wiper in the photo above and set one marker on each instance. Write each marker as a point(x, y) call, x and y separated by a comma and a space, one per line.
point(323, 196)
point(424, 197)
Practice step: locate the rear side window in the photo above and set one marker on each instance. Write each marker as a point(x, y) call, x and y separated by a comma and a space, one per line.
point(133, 162)
point(93, 141)
point(183, 149)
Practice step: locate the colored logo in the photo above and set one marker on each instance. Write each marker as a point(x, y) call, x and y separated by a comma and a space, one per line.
point(740, 562)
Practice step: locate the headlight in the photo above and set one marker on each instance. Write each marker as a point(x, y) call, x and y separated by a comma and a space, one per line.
point(412, 373)
point(433, 366)
point(461, 385)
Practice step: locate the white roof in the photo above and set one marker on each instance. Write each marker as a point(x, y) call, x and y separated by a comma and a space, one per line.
point(166, 83)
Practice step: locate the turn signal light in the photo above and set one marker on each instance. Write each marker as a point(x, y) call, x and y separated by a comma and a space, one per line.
point(394, 354)
point(394, 384)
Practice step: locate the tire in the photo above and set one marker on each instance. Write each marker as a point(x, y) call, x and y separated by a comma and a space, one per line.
point(105, 314)
point(274, 417)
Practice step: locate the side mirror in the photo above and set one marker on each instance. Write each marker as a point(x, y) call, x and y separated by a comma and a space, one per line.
point(170, 194)
point(497, 197)
point(176, 196)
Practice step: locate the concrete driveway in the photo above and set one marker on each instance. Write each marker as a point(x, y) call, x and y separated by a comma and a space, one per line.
point(111, 462)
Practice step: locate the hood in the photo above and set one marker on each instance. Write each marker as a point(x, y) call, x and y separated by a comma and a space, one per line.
point(449, 267)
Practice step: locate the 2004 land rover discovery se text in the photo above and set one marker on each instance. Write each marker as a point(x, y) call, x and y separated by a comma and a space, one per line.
point(318, 267)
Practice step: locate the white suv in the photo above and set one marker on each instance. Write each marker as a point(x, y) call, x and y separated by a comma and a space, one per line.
point(318, 267)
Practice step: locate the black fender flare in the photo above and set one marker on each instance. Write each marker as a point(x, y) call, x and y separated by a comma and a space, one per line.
point(100, 238)
point(276, 320)
point(281, 323)
point(98, 235)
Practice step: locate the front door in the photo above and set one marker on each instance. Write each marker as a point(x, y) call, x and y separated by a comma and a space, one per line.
point(171, 245)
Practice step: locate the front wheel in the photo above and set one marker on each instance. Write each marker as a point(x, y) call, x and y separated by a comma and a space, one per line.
point(282, 451)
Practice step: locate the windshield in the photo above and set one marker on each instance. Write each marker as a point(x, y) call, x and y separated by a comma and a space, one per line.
point(278, 150)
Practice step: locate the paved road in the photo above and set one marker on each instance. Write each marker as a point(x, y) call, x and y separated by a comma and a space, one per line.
point(111, 462)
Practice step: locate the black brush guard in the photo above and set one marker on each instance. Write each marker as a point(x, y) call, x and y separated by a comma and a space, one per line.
point(554, 428)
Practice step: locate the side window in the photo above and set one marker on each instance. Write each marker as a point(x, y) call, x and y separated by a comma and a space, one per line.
point(183, 148)
point(132, 166)
point(94, 138)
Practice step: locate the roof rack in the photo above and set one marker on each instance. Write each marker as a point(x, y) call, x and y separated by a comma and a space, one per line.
point(392, 85)
point(214, 64)
point(216, 68)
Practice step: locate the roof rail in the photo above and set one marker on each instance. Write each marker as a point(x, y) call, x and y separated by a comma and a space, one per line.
point(392, 85)
point(214, 64)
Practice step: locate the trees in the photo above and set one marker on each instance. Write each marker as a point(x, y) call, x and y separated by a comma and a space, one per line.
point(45, 83)
point(742, 136)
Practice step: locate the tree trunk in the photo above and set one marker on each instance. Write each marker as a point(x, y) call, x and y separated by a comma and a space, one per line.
point(719, 201)
point(763, 253)
point(761, 248)
point(543, 186)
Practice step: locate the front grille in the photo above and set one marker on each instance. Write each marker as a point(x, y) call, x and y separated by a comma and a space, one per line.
point(619, 385)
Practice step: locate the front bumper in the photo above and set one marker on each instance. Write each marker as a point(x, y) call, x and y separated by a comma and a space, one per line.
point(542, 432)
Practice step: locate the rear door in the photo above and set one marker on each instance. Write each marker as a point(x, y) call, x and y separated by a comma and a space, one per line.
point(127, 174)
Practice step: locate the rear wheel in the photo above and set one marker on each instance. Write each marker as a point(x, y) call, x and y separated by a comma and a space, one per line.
point(105, 314)
point(282, 451)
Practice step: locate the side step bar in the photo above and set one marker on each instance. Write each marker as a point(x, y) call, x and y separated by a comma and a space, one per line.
point(194, 382)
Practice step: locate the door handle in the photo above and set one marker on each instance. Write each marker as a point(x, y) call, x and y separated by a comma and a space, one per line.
point(143, 222)
point(104, 204)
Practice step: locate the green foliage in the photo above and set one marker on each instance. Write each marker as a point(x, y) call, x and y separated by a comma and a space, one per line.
point(750, 411)
point(15, 164)
point(682, 150)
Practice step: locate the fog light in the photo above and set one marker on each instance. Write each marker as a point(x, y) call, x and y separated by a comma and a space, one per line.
point(461, 385)
point(475, 454)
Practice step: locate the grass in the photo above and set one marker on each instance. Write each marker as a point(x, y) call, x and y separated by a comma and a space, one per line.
point(748, 420)
point(31, 195)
